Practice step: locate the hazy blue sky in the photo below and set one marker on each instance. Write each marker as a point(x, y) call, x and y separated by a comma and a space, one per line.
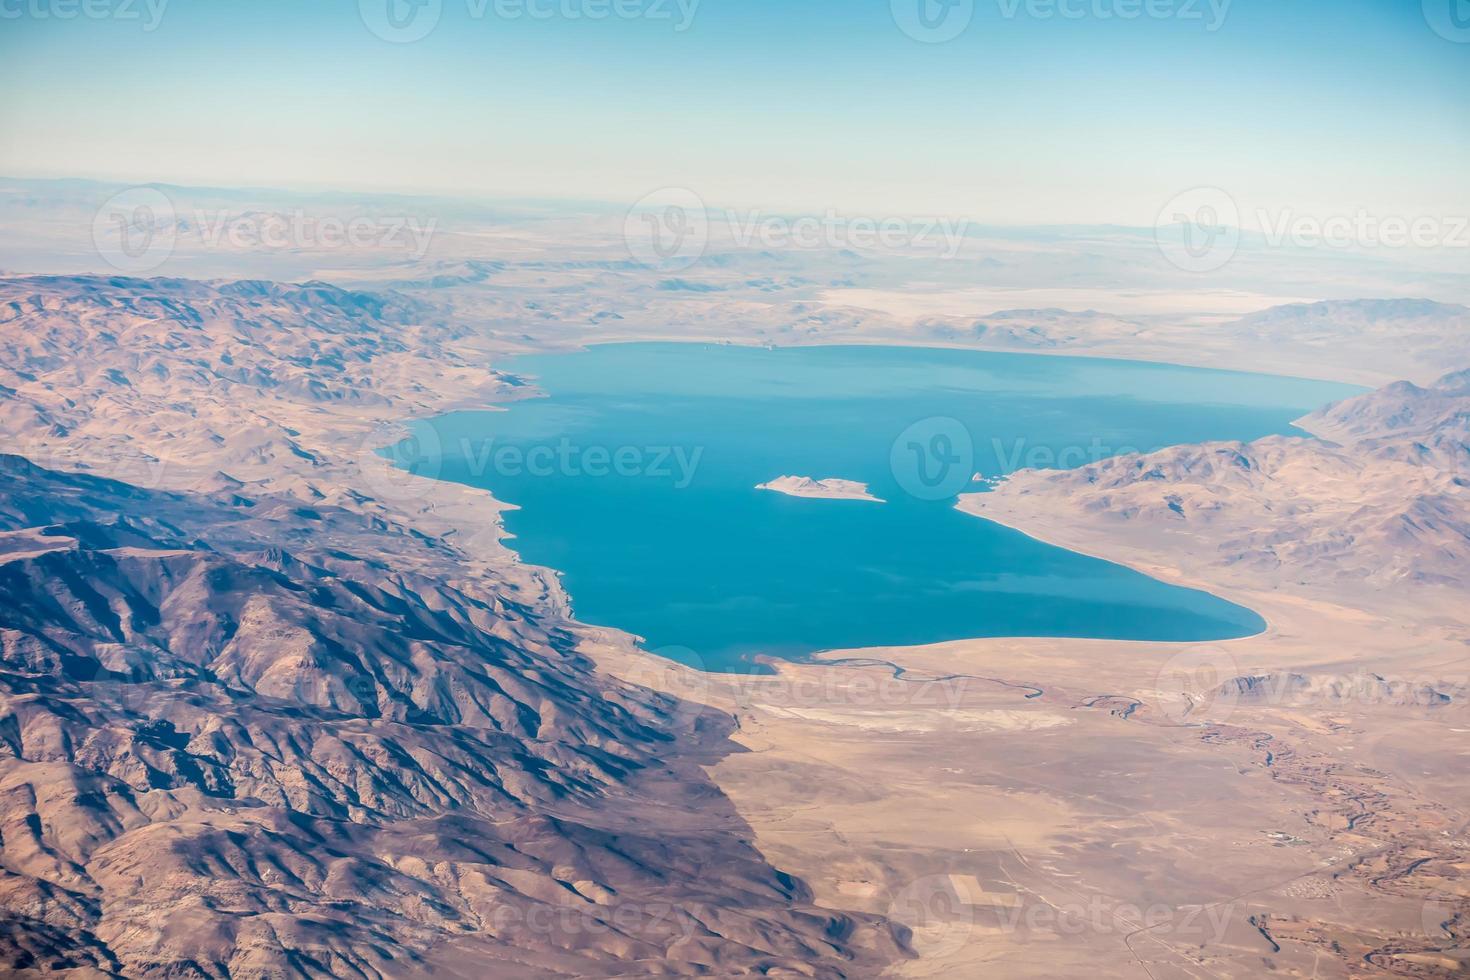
point(1031, 114)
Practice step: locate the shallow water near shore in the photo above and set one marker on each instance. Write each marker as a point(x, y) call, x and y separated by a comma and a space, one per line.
point(636, 479)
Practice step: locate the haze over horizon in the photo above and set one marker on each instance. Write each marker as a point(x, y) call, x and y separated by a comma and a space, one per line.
point(1032, 113)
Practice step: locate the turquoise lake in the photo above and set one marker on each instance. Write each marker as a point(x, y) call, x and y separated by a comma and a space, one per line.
point(635, 477)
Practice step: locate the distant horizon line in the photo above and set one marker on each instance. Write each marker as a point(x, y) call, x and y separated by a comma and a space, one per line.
point(482, 198)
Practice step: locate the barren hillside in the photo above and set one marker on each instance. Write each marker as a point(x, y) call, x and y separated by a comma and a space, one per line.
point(268, 715)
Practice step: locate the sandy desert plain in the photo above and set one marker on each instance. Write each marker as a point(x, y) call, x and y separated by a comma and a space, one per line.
point(271, 707)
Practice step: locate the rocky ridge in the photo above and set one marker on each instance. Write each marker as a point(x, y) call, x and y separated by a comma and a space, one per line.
point(1382, 498)
point(268, 709)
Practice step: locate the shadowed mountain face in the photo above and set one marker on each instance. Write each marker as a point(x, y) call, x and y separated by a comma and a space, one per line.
point(222, 758)
point(288, 724)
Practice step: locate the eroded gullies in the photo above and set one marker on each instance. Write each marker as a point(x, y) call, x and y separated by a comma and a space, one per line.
point(636, 478)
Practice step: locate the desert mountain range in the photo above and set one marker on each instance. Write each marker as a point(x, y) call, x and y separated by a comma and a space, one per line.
point(1381, 498)
point(269, 706)
point(266, 722)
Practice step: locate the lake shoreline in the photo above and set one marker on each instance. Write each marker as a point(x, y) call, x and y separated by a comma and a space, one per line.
point(938, 572)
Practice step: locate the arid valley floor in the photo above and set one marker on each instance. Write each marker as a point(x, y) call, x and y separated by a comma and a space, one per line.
point(269, 707)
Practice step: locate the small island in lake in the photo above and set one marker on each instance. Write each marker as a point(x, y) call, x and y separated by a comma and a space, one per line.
point(831, 488)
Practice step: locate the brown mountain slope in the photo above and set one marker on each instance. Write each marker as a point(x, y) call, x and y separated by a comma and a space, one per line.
point(293, 716)
point(1385, 503)
point(221, 762)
